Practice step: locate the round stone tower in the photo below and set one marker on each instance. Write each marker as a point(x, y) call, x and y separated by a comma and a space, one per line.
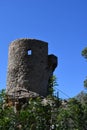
point(29, 67)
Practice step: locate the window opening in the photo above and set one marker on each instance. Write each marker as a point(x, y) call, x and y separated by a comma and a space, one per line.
point(29, 52)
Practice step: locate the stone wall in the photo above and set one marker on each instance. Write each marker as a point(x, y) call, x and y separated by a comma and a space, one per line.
point(29, 67)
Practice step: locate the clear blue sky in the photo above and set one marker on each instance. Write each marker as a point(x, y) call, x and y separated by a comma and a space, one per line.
point(61, 23)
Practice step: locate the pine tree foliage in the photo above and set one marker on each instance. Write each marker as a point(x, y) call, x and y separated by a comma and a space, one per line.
point(84, 54)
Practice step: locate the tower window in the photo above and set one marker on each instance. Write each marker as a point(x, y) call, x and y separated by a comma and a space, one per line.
point(29, 52)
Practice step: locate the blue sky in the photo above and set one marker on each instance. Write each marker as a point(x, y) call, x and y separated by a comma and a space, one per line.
point(61, 23)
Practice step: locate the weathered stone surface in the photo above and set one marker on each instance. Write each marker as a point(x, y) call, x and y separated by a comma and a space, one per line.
point(19, 93)
point(52, 62)
point(29, 67)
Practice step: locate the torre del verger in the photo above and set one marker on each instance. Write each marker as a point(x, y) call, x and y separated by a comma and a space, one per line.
point(29, 68)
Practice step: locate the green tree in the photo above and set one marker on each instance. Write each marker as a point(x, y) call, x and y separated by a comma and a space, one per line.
point(84, 54)
point(82, 97)
point(71, 116)
point(75, 110)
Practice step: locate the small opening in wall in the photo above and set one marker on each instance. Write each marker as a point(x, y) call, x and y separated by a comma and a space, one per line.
point(29, 52)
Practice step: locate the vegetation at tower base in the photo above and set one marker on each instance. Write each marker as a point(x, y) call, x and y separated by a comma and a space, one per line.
point(84, 54)
point(49, 113)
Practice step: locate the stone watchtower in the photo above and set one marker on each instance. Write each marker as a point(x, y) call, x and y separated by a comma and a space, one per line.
point(29, 67)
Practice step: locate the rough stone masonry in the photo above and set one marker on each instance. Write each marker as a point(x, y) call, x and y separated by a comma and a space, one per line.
point(29, 67)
